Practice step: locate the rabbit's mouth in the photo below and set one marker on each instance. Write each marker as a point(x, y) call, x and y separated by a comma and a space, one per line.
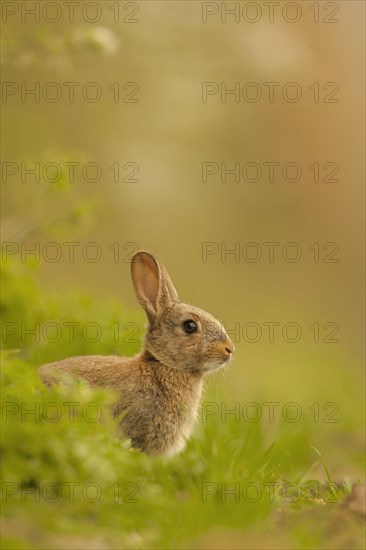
point(214, 365)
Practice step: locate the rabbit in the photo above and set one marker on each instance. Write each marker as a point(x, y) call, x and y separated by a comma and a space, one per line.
point(159, 389)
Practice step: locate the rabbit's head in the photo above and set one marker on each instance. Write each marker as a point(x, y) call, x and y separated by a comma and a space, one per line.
point(179, 335)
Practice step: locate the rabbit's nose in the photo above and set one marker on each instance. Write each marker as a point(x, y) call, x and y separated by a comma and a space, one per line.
point(229, 347)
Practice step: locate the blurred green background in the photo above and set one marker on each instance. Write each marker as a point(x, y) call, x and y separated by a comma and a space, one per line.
point(160, 141)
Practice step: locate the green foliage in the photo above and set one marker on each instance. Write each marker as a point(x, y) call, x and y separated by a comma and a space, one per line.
point(53, 327)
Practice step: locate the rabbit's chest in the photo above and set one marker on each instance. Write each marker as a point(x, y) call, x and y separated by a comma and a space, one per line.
point(175, 418)
point(164, 418)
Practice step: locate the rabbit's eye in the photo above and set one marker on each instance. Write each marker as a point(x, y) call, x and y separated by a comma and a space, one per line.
point(189, 326)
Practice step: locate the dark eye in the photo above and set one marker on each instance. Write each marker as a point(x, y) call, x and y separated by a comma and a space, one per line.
point(189, 326)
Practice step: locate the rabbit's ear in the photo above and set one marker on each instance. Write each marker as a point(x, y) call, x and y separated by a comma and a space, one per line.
point(152, 284)
point(168, 293)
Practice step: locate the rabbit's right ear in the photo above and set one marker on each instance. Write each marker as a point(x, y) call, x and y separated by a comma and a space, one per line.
point(152, 284)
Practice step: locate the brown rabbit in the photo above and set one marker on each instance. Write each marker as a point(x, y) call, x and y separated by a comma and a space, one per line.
point(160, 388)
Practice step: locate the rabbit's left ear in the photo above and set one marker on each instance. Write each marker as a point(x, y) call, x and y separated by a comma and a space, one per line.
point(153, 286)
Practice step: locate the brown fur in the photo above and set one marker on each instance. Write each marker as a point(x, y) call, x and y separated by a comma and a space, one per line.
point(159, 389)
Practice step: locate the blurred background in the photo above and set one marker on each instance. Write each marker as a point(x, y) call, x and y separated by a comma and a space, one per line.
point(157, 147)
